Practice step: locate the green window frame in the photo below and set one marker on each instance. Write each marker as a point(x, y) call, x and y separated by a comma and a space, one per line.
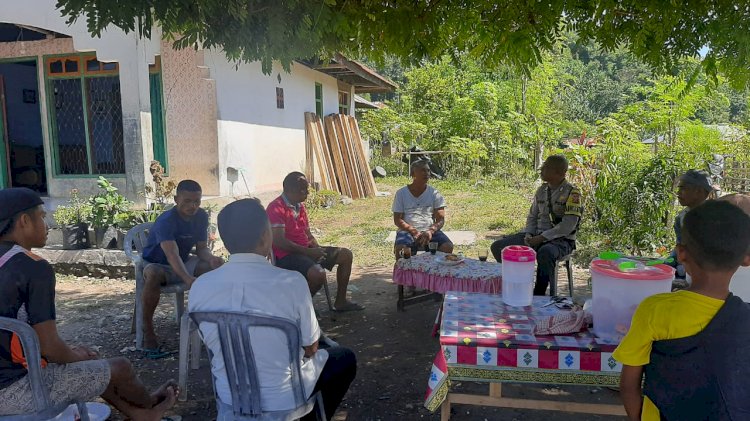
point(158, 115)
point(344, 102)
point(83, 67)
point(319, 99)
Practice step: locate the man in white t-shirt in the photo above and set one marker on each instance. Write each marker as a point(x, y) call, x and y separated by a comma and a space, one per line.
point(419, 213)
point(248, 282)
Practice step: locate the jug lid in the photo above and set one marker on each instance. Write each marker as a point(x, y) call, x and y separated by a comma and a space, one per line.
point(612, 269)
point(519, 254)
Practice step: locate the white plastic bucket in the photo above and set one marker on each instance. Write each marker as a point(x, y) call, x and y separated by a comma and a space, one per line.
point(518, 275)
point(616, 294)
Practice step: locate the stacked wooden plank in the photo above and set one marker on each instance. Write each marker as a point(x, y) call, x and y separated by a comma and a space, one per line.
point(334, 148)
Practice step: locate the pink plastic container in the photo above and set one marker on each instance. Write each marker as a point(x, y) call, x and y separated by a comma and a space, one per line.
point(616, 294)
point(518, 275)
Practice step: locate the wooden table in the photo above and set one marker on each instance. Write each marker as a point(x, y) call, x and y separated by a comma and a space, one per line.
point(483, 340)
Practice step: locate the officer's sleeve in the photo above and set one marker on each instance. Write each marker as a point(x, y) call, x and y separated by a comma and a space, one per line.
point(573, 212)
point(531, 218)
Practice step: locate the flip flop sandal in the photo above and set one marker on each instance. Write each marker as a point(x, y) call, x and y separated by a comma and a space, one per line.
point(350, 307)
point(157, 353)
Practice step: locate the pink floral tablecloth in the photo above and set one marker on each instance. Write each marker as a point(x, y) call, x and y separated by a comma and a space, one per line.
point(423, 271)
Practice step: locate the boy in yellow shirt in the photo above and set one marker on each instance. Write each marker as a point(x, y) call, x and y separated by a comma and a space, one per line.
point(692, 344)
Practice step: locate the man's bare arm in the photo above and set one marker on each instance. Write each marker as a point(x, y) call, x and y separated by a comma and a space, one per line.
point(311, 350)
point(175, 262)
point(54, 349)
point(280, 241)
point(439, 217)
point(398, 219)
point(630, 390)
point(311, 238)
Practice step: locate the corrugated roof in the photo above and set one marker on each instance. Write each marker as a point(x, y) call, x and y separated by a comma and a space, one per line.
point(352, 72)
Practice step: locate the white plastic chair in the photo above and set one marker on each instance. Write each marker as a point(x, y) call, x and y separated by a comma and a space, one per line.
point(190, 353)
point(241, 371)
point(137, 238)
point(43, 406)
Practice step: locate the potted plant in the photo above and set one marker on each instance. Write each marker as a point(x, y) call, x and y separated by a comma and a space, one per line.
point(123, 222)
point(71, 218)
point(105, 206)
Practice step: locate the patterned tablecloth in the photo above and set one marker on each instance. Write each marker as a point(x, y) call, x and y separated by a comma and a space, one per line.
point(423, 271)
point(482, 339)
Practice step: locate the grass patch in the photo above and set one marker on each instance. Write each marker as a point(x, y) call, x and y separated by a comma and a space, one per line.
point(487, 207)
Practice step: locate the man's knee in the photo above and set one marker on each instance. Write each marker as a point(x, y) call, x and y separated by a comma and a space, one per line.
point(446, 247)
point(121, 370)
point(347, 360)
point(316, 276)
point(547, 253)
point(201, 268)
point(344, 256)
point(497, 247)
point(154, 275)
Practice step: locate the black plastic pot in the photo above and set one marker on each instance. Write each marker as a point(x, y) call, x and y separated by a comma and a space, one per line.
point(97, 237)
point(75, 237)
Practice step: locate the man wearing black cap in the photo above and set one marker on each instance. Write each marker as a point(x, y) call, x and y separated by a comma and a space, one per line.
point(27, 292)
point(693, 188)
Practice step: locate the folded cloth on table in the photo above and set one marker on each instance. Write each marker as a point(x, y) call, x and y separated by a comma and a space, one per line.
point(563, 322)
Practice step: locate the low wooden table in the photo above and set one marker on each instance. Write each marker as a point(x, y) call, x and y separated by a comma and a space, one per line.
point(484, 340)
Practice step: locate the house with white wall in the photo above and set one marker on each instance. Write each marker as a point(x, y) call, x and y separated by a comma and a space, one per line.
point(74, 107)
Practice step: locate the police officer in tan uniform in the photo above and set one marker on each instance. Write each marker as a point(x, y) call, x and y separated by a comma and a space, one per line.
point(551, 224)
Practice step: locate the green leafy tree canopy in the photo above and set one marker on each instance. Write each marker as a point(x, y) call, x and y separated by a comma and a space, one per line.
point(513, 32)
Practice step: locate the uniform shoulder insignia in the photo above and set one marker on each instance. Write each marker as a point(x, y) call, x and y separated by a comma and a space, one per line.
point(573, 206)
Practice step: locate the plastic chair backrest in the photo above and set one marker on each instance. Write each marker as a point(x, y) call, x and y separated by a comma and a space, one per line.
point(43, 407)
point(239, 360)
point(137, 237)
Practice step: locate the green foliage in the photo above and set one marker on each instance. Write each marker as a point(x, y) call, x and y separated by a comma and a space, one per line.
point(107, 205)
point(628, 189)
point(485, 123)
point(514, 33)
point(321, 199)
point(76, 211)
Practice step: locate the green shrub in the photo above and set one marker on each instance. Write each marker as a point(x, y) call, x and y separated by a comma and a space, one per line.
point(321, 199)
point(76, 211)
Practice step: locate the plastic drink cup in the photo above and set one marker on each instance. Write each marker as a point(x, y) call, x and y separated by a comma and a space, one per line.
point(482, 255)
point(433, 247)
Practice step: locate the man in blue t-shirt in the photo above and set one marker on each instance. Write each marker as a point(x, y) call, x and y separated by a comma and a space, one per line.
point(167, 255)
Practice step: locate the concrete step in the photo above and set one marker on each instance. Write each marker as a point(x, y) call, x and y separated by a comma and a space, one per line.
point(88, 262)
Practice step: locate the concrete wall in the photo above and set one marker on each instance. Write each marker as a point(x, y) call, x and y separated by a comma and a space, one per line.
point(190, 109)
point(258, 142)
point(133, 55)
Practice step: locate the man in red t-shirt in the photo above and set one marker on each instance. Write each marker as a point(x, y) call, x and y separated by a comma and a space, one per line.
point(295, 248)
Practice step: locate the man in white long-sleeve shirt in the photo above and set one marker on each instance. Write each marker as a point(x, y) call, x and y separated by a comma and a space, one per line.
point(551, 224)
point(248, 282)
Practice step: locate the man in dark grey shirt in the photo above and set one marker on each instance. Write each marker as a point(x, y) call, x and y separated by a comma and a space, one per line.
point(551, 224)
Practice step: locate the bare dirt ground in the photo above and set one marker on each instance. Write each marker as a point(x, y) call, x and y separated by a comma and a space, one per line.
point(394, 350)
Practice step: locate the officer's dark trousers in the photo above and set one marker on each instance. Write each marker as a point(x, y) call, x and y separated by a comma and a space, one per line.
point(547, 256)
